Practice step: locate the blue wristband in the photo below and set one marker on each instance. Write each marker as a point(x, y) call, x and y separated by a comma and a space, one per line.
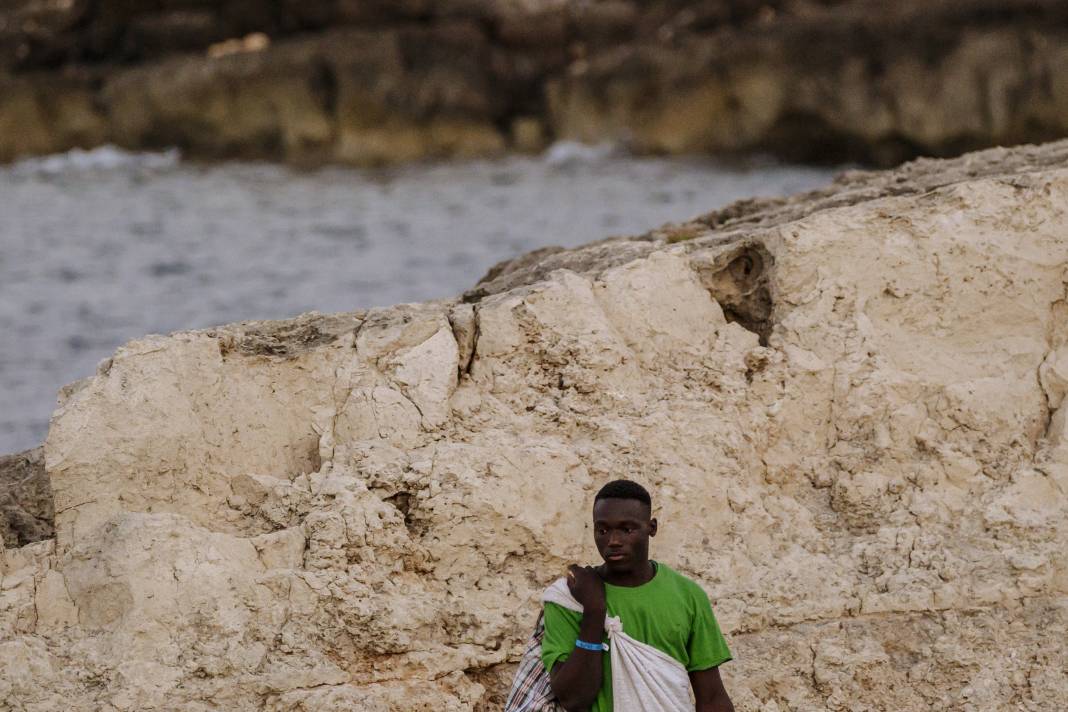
point(591, 646)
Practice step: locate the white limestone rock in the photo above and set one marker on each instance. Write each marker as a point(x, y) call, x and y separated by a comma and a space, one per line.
point(849, 407)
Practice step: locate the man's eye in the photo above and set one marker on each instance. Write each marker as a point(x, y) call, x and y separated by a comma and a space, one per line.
point(628, 530)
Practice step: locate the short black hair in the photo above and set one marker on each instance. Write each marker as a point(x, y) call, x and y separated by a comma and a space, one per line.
point(624, 489)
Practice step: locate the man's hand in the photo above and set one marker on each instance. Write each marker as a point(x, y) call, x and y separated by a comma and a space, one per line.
point(587, 586)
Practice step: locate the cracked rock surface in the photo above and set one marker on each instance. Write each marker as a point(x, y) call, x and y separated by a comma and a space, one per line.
point(848, 405)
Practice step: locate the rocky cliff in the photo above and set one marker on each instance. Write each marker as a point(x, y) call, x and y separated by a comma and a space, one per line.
point(374, 82)
point(849, 405)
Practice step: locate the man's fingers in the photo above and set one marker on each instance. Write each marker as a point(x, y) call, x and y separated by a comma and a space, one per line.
point(571, 580)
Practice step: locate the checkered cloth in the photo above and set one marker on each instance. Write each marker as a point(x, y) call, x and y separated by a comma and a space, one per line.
point(531, 691)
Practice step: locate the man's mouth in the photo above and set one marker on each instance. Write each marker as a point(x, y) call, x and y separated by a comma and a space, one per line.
point(615, 556)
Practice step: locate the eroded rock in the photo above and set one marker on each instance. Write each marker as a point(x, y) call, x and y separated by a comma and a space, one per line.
point(382, 82)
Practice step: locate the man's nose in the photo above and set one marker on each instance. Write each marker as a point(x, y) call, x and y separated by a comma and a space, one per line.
point(614, 538)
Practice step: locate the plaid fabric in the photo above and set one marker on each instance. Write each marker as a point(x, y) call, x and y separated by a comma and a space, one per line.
point(531, 691)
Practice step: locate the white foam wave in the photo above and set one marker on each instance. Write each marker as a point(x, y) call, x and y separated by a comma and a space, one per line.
point(568, 153)
point(102, 158)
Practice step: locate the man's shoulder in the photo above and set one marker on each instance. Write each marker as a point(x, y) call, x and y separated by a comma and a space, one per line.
point(682, 582)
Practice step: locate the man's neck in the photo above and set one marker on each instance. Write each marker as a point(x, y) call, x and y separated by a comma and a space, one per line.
point(642, 573)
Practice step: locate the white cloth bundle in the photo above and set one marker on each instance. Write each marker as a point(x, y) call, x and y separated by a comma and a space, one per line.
point(644, 679)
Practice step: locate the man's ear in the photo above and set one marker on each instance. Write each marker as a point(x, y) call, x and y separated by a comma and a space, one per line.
point(652, 527)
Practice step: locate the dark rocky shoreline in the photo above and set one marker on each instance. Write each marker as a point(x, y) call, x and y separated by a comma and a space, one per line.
point(376, 82)
point(27, 512)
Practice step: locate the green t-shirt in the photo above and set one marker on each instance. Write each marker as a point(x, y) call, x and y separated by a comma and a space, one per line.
point(669, 612)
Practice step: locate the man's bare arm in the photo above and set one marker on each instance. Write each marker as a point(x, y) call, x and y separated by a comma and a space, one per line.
point(577, 680)
point(709, 691)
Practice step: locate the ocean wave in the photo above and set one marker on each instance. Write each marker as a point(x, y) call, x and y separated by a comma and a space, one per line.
point(569, 153)
point(102, 158)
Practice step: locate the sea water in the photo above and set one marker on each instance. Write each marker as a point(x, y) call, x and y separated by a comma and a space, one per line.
point(100, 247)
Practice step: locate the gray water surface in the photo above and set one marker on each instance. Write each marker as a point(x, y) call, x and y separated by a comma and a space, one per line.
point(100, 248)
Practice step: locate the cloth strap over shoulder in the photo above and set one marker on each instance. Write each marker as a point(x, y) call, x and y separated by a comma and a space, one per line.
point(644, 679)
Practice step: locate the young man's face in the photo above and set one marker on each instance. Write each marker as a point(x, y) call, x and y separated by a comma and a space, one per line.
point(621, 530)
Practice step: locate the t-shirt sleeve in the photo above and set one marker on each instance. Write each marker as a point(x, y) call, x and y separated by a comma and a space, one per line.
point(561, 632)
point(707, 648)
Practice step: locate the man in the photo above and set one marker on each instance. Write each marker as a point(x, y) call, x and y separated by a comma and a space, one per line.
point(656, 605)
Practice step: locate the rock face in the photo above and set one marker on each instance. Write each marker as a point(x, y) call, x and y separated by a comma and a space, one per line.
point(26, 509)
point(374, 82)
point(849, 406)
